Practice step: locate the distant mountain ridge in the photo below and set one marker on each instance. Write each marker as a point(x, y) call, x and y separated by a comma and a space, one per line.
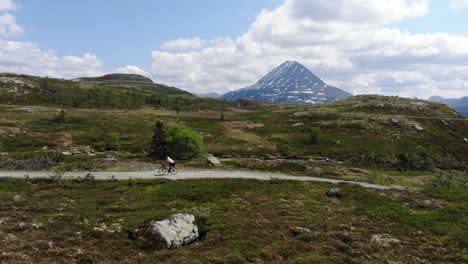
point(459, 104)
point(133, 81)
point(212, 95)
point(290, 82)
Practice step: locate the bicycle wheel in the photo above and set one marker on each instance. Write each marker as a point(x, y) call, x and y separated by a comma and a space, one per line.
point(162, 171)
point(174, 171)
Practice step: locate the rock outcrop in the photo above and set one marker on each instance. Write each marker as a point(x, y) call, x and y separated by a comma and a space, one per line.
point(175, 231)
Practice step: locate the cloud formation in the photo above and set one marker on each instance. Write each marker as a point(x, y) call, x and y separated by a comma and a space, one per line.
point(184, 44)
point(131, 69)
point(6, 5)
point(29, 58)
point(458, 4)
point(8, 26)
point(349, 43)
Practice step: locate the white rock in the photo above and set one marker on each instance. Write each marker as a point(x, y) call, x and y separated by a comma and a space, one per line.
point(298, 124)
point(418, 128)
point(178, 230)
point(384, 240)
point(213, 160)
point(465, 139)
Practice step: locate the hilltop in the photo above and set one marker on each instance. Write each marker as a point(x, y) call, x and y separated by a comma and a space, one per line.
point(132, 81)
point(290, 82)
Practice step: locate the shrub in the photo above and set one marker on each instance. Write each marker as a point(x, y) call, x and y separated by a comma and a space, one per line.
point(60, 118)
point(314, 134)
point(449, 179)
point(378, 177)
point(184, 143)
point(111, 141)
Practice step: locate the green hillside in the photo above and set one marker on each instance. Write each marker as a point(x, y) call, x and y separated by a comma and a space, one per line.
point(389, 133)
point(104, 92)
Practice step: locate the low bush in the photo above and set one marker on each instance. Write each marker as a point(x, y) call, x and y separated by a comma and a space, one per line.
point(449, 179)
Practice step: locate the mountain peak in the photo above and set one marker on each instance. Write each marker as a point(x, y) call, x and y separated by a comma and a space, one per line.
point(290, 82)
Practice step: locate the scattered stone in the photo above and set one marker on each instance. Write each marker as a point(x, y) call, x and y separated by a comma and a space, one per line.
point(418, 103)
point(317, 171)
point(213, 160)
point(66, 153)
point(384, 240)
point(45, 148)
point(298, 230)
point(447, 122)
point(110, 158)
point(298, 124)
point(338, 142)
point(418, 128)
point(334, 192)
point(393, 121)
point(465, 139)
point(380, 106)
point(178, 230)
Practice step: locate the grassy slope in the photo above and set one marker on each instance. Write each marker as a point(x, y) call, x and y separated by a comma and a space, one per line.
point(245, 221)
point(357, 134)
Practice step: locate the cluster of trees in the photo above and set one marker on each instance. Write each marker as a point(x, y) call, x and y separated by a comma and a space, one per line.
point(177, 141)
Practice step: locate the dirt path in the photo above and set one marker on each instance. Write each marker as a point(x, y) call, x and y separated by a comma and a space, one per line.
point(194, 174)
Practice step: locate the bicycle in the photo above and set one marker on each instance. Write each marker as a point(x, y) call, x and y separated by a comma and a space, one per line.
point(165, 169)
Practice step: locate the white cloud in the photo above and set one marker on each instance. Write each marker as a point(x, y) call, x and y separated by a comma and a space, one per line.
point(8, 26)
point(349, 43)
point(131, 69)
point(6, 5)
point(458, 4)
point(28, 58)
point(184, 44)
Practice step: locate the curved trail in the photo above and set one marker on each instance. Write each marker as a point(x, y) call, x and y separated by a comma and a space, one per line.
point(194, 174)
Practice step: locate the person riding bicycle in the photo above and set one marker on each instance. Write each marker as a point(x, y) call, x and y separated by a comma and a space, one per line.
point(171, 163)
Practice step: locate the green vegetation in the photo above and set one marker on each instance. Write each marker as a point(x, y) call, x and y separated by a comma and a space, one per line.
point(314, 133)
point(242, 221)
point(177, 141)
point(184, 143)
point(449, 179)
point(357, 131)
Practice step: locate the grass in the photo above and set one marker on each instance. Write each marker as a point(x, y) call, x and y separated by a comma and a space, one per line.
point(244, 220)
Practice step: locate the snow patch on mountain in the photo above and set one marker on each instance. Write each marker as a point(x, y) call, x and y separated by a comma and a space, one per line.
point(291, 82)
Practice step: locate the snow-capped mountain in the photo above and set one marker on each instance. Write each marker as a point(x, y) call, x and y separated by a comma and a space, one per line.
point(291, 82)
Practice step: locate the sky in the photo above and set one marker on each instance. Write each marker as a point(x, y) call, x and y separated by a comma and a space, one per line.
point(410, 48)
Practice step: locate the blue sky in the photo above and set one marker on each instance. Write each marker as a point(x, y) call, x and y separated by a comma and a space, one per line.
point(395, 47)
point(126, 32)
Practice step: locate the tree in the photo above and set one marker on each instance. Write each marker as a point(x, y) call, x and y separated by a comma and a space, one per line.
point(61, 117)
point(112, 141)
point(158, 148)
point(184, 143)
point(314, 134)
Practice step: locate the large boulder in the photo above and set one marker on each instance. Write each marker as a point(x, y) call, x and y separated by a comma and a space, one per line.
point(175, 231)
point(213, 160)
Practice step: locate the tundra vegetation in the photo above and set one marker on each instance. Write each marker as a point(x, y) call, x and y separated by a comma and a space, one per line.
point(58, 126)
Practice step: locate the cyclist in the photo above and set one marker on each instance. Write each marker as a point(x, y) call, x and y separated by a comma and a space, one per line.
point(171, 163)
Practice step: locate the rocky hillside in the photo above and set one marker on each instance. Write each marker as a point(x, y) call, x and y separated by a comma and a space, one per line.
point(291, 82)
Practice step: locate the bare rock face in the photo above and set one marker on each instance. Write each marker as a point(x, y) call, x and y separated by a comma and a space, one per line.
point(175, 231)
